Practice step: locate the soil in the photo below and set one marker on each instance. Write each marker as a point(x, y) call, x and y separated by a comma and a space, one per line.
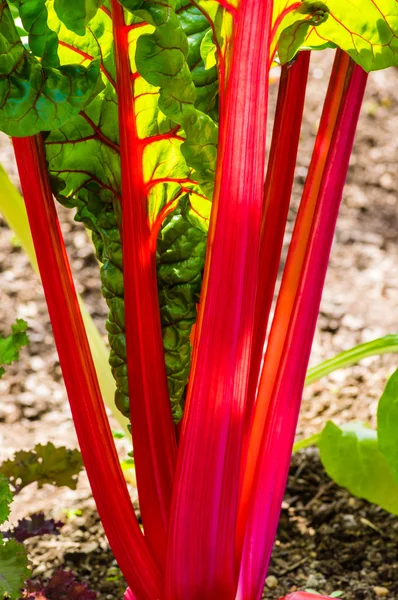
point(327, 540)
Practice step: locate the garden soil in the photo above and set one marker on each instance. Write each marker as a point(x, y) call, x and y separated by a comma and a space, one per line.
point(327, 541)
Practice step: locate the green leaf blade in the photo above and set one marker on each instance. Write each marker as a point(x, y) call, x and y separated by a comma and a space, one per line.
point(43, 40)
point(36, 97)
point(366, 29)
point(377, 347)
point(77, 14)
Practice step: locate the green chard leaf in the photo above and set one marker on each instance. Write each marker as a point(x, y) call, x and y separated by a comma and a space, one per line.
point(84, 162)
point(162, 60)
point(77, 14)
point(204, 73)
point(43, 42)
point(45, 464)
point(365, 29)
point(12, 344)
point(39, 96)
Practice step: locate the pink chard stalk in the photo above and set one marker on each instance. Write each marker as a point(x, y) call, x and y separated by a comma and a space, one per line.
point(150, 120)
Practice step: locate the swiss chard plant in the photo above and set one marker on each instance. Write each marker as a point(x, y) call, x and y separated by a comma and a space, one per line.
point(149, 119)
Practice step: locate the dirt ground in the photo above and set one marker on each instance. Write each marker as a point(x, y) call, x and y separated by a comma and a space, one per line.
point(327, 540)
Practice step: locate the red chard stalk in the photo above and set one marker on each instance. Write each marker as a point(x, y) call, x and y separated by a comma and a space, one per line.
point(152, 427)
point(278, 188)
point(281, 402)
point(201, 561)
point(92, 427)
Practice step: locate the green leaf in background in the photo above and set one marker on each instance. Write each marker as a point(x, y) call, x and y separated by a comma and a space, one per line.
point(12, 344)
point(76, 14)
point(365, 29)
point(34, 97)
point(387, 423)
point(351, 457)
point(5, 499)
point(43, 465)
point(13, 569)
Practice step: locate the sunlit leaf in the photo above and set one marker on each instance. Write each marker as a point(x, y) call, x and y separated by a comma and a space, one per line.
point(351, 457)
point(365, 29)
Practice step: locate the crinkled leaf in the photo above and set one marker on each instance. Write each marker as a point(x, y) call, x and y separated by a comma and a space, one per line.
point(84, 160)
point(13, 569)
point(34, 525)
point(45, 464)
point(5, 499)
point(61, 586)
point(204, 77)
point(387, 423)
point(34, 97)
point(11, 344)
point(43, 41)
point(77, 14)
point(222, 23)
point(161, 59)
point(365, 29)
point(351, 457)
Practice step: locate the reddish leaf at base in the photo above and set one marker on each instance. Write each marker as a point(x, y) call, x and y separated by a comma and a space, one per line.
point(61, 586)
point(35, 525)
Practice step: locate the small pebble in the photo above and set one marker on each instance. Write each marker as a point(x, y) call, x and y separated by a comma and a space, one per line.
point(315, 581)
point(89, 547)
point(381, 592)
point(271, 582)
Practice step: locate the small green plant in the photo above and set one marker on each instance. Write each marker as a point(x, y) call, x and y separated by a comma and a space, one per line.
point(361, 459)
point(11, 345)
